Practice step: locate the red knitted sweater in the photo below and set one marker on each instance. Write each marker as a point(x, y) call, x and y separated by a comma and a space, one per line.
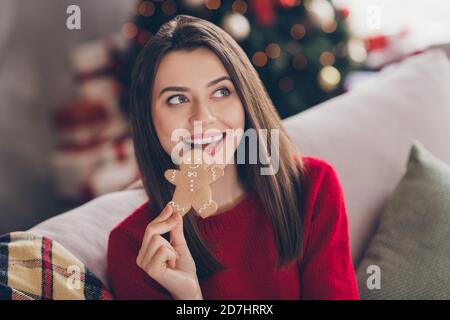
point(246, 247)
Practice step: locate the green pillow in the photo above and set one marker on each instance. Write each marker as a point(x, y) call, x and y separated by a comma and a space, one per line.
point(409, 255)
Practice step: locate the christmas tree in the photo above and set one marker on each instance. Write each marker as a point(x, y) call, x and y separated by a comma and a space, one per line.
point(298, 47)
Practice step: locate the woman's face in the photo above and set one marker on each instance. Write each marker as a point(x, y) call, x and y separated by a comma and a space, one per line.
point(194, 88)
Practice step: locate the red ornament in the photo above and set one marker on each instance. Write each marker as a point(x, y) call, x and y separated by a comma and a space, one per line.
point(264, 11)
point(379, 42)
point(376, 42)
point(288, 3)
point(344, 12)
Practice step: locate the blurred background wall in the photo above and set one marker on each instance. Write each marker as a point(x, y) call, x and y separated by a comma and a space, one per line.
point(34, 77)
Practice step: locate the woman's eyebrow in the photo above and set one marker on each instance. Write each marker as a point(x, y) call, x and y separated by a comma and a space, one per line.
point(184, 89)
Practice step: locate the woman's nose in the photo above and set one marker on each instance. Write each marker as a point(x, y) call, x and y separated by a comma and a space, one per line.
point(202, 113)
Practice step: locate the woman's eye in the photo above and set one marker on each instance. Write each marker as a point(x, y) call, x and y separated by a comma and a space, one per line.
point(227, 92)
point(179, 99)
point(174, 100)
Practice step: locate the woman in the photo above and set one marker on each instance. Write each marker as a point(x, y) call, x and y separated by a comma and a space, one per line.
point(274, 236)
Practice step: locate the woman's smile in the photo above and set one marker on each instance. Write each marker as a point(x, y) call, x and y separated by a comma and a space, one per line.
point(210, 143)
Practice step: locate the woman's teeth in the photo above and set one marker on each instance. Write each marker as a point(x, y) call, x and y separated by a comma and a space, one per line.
point(204, 141)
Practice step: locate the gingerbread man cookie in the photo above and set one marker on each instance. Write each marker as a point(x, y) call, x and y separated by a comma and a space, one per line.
point(192, 182)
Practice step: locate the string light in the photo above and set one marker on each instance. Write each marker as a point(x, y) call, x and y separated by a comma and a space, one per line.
point(273, 51)
point(129, 30)
point(290, 3)
point(329, 78)
point(299, 61)
point(212, 4)
point(194, 3)
point(286, 84)
point(356, 50)
point(259, 59)
point(329, 27)
point(146, 9)
point(298, 31)
point(321, 11)
point(327, 58)
point(169, 7)
point(239, 6)
point(237, 26)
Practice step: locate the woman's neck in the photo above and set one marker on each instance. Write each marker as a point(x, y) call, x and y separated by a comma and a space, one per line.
point(228, 190)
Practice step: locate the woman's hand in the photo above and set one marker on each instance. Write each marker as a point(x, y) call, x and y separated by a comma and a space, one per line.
point(170, 264)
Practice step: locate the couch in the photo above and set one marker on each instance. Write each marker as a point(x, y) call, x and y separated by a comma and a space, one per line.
point(366, 134)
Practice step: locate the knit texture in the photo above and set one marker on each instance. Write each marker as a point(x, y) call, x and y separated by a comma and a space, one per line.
point(243, 241)
point(411, 246)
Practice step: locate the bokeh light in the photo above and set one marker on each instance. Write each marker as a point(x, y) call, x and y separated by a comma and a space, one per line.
point(286, 84)
point(273, 51)
point(212, 4)
point(259, 59)
point(239, 6)
point(129, 30)
point(329, 78)
point(298, 31)
point(146, 9)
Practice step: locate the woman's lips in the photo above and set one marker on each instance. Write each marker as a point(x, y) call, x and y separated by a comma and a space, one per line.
point(212, 148)
point(209, 144)
point(204, 140)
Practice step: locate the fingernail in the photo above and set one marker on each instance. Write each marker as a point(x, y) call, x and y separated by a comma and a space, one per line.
point(168, 209)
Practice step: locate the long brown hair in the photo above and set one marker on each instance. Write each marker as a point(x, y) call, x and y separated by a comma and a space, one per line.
point(281, 193)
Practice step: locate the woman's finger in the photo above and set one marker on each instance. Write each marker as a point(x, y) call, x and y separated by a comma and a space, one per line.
point(147, 258)
point(156, 265)
point(165, 213)
point(157, 229)
point(177, 233)
point(155, 244)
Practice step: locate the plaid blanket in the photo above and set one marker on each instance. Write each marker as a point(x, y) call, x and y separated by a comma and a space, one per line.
point(33, 267)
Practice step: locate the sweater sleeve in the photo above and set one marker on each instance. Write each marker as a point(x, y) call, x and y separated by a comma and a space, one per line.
point(327, 271)
point(128, 281)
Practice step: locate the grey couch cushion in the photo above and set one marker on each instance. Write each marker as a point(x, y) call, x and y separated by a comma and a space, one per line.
point(412, 245)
